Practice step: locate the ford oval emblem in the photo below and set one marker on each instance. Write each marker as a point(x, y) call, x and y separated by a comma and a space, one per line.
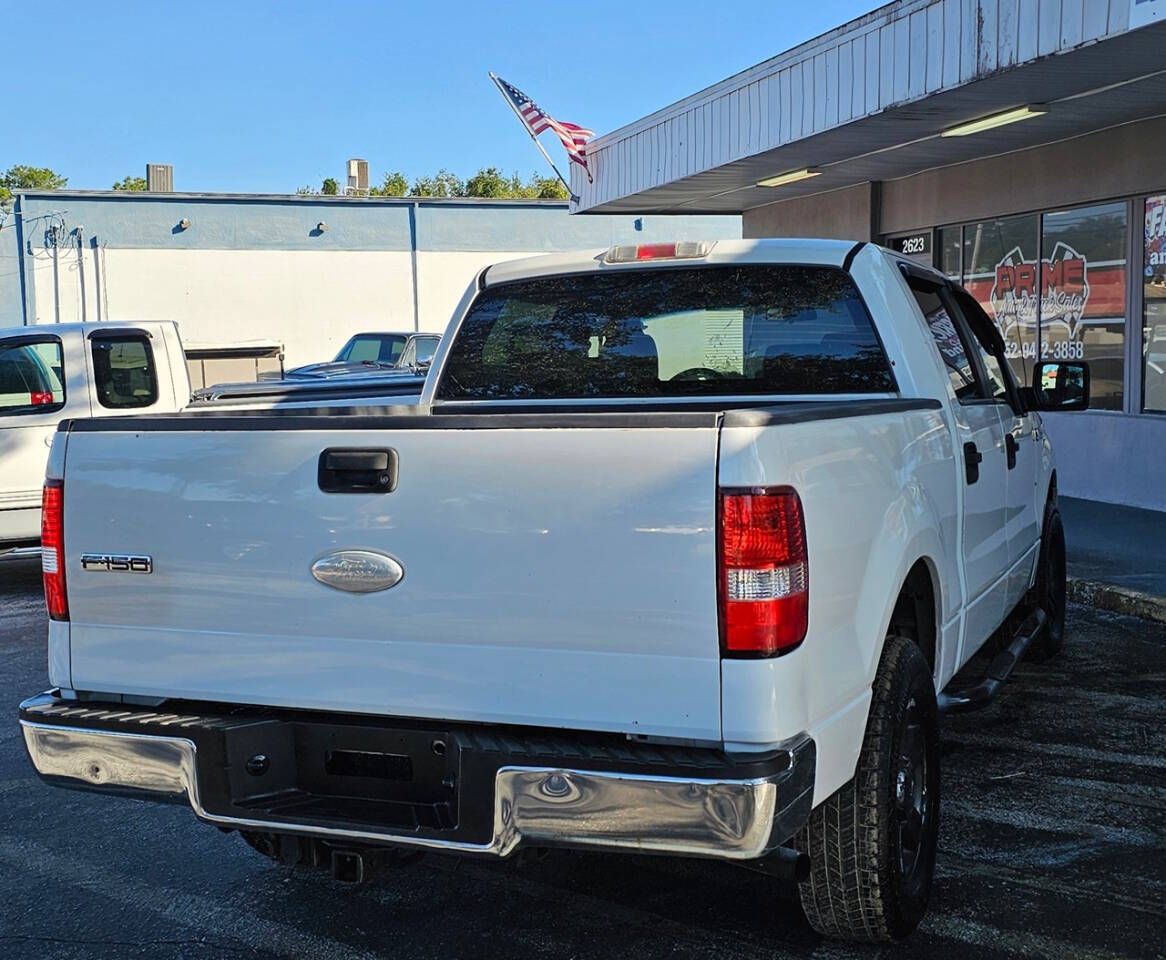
point(358, 571)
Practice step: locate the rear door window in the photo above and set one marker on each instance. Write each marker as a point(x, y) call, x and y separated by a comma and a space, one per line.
point(987, 340)
point(32, 377)
point(674, 332)
point(948, 339)
point(124, 371)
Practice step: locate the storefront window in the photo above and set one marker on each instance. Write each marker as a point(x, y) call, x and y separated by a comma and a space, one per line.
point(1154, 316)
point(1000, 271)
point(950, 246)
point(1083, 295)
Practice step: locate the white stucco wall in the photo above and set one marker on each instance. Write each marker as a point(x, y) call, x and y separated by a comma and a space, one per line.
point(305, 272)
point(442, 278)
point(311, 302)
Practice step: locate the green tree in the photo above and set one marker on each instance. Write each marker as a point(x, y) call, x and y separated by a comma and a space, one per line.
point(22, 177)
point(489, 182)
point(394, 185)
point(330, 187)
point(444, 184)
point(130, 183)
point(544, 188)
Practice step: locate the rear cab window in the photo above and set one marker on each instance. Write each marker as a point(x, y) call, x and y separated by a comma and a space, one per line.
point(747, 330)
point(32, 376)
point(124, 373)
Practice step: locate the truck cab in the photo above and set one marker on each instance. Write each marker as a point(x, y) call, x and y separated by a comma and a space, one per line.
point(49, 373)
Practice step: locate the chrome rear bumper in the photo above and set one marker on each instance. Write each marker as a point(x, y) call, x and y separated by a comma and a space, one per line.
point(542, 806)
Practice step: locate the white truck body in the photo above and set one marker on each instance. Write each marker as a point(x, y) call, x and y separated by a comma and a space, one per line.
point(560, 566)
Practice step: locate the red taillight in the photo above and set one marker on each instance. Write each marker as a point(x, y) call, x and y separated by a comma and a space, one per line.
point(655, 251)
point(681, 250)
point(52, 544)
point(41, 398)
point(764, 572)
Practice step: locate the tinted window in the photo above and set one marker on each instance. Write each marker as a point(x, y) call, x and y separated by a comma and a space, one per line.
point(951, 346)
point(31, 377)
point(1154, 306)
point(1001, 270)
point(706, 331)
point(991, 353)
point(373, 348)
point(950, 253)
point(1083, 295)
point(123, 368)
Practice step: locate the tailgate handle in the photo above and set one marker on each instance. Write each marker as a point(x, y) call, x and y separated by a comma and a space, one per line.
point(357, 470)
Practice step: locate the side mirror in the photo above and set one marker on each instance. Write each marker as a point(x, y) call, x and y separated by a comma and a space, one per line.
point(422, 365)
point(1060, 387)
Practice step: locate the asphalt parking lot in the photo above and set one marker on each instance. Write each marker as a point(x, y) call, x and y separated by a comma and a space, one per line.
point(1052, 844)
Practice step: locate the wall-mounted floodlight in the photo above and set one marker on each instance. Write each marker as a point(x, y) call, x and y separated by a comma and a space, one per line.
point(184, 224)
point(1026, 112)
point(792, 176)
point(321, 227)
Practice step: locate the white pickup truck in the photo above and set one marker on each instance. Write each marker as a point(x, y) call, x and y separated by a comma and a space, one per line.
point(55, 372)
point(675, 555)
point(49, 373)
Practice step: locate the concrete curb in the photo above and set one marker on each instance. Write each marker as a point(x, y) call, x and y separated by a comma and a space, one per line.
point(1108, 596)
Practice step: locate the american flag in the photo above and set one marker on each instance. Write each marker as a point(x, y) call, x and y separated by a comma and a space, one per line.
point(537, 120)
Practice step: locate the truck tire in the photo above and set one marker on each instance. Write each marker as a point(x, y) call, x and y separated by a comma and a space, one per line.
point(1049, 593)
point(872, 844)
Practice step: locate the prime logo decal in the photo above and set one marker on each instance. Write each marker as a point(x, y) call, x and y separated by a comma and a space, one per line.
point(116, 563)
point(1064, 279)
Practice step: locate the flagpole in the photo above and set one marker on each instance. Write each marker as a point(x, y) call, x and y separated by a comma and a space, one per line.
point(526, 126)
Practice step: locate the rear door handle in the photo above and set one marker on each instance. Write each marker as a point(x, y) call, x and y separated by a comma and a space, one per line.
point(972, 460)
point(357, 470)
point(1010, 448)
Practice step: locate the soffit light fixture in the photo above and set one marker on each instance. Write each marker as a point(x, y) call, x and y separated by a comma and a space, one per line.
point(792, 176)
point(1015, 115)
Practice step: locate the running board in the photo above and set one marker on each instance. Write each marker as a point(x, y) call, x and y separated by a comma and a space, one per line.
point(999, 670)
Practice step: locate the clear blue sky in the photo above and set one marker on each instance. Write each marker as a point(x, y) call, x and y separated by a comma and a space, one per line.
point(264, 97)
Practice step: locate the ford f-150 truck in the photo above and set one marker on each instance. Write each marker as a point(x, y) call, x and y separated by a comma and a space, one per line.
point(678, 553)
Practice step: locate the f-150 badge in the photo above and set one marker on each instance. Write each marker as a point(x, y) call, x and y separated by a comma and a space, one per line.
point(116, 563)
point(358, 571)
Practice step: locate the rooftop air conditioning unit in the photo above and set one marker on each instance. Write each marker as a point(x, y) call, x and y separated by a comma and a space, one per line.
point(160, 177)
point(357, 178)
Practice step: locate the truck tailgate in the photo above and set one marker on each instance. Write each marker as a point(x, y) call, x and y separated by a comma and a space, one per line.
point(545, 582)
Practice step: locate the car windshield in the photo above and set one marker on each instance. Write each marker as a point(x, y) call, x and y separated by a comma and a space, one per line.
point(373, 348)
point(693, 331)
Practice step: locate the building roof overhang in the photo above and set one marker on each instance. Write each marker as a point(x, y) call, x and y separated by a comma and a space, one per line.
point(869, 101)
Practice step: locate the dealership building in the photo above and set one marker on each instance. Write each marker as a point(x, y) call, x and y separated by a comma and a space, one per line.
point(1017, 145)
